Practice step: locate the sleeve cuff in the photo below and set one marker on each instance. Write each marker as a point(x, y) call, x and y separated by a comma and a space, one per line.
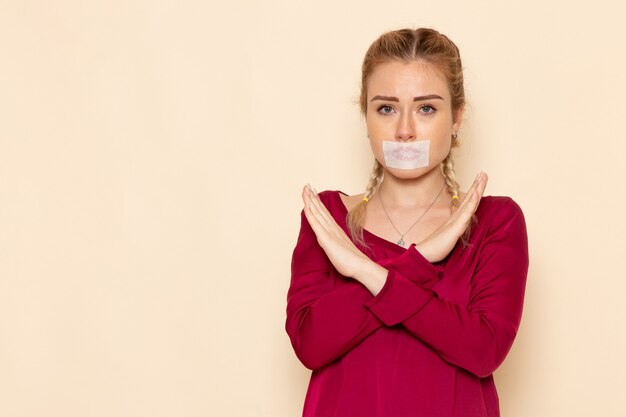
point(415, 267)
point(398, 299)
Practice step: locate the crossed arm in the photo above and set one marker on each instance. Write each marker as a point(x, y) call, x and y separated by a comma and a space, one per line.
point(324, 322)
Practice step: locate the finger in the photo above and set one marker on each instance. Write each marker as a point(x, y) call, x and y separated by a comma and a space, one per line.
point(477, 190)
point(318, 227)
point(331, 225)
point(469, 192)
point(321, 224)
point(476, 180)
point(475, 184)
point(472, 204)
point(304, 195)
point(311, 214)
point(482, 185)
point(320, 209)
point(469, 204)
point(324, 233)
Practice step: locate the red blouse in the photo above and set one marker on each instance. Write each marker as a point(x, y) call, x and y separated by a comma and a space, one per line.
point(428, 342)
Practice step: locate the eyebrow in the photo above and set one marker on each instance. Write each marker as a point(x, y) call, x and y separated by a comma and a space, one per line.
point(419, 98)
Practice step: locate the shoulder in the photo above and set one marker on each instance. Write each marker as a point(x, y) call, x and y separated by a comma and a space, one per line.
point(503, 239)
point(338, 199)
point(332, 200)
point(499, 205)
point(501, 214)
point(328, 196)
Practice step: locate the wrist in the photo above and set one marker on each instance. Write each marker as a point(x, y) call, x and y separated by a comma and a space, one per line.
point(423, 250)
point(371, 275)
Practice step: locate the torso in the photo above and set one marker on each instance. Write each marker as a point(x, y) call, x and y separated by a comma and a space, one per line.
point(376, 220)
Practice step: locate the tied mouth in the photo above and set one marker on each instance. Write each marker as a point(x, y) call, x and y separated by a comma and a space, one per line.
point(405, 153)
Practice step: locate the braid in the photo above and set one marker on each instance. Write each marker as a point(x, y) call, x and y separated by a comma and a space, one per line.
point(372, 185)
point(447, 168)
point(356, 216)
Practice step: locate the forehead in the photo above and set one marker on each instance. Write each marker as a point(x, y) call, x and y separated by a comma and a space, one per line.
point(407, 79)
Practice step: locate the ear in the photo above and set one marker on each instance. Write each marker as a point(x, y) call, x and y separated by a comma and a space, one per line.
point(458, 118)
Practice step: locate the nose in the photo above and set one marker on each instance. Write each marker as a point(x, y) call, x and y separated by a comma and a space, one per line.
point(406, 129)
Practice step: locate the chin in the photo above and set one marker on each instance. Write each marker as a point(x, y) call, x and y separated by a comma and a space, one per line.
point(407, 174)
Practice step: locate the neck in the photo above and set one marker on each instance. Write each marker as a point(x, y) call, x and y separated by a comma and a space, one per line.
point(414, 192)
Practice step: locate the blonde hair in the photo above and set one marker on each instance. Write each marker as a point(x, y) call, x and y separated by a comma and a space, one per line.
point(424, 45)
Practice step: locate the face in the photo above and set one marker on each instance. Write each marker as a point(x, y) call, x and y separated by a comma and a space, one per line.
point(409, 102)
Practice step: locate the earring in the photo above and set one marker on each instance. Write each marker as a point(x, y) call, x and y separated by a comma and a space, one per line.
point(454, 135)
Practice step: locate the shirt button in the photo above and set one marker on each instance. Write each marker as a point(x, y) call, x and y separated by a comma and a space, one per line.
point(439, 274)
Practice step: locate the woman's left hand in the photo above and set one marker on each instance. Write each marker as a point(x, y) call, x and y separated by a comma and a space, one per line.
point(344, 255)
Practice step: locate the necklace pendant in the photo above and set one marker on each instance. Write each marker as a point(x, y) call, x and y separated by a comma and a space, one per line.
point(401, 242)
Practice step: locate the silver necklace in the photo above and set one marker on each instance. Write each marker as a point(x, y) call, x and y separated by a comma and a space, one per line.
point(401, 241)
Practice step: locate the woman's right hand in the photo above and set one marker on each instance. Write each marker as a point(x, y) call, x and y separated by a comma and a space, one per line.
point(441, 242)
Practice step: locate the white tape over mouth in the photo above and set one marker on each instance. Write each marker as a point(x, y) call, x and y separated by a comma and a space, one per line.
point(406, 155)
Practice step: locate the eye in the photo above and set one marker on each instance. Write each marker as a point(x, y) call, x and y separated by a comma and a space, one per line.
point(385, 109)
point(427, 109)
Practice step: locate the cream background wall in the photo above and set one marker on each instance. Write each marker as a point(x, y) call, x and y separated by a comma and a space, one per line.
point(152, 156)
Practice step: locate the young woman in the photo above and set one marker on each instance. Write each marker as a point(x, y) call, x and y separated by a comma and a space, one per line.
point(405, 299)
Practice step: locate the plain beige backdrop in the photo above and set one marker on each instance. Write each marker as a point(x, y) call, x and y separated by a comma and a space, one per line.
point(152, 155)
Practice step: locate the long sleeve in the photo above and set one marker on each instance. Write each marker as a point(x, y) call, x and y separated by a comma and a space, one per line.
point(476, 337)
point(325, 319)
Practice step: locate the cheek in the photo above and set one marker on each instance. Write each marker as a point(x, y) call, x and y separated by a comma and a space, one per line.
point(372, 125)
point(440, 132)
point(439, 148)
point(376, 146)
point(440, 137)
point(381, 130)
